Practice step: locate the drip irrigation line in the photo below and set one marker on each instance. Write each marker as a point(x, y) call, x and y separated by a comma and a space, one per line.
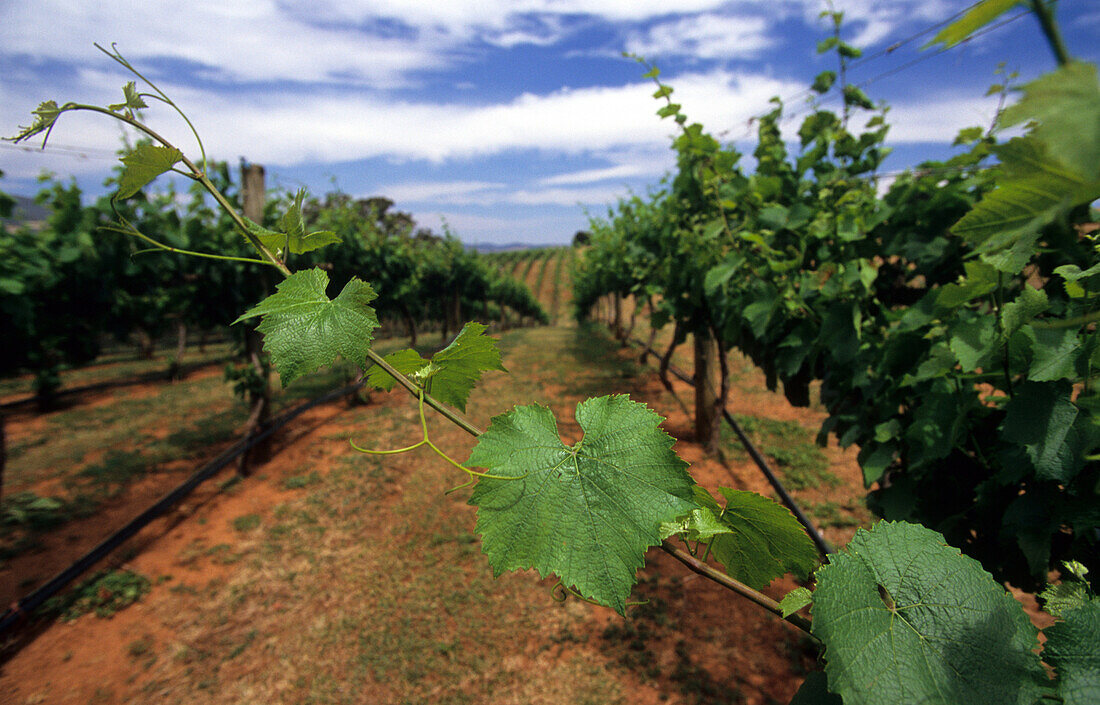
point(26, 606)
point(823, 546)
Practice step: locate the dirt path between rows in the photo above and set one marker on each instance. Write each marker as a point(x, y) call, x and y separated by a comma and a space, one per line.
point(357, 580)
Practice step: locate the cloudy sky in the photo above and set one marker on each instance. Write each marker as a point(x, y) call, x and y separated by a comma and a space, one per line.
point(508, 118)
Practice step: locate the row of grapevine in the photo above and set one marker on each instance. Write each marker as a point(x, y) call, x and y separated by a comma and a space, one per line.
point(951, 326)
point(65, 284)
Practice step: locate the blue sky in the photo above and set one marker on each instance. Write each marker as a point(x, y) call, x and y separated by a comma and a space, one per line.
point(507, 118)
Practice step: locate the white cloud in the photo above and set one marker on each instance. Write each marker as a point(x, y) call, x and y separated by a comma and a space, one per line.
point(705, 37)
point(244, 40)
point(280, 127)
point(589, 176)
point(448, 192)
point(940, 119)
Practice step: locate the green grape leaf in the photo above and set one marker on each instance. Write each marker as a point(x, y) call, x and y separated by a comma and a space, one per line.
point(304, 330)
point(132, 99)
point(145, 163)
point(980, 279)
point(1040, 417)
point(795, 600)
point(974, 342)
point(1054, 354)
point(406, 362)
point(297, 244)
point(45, 115)
point(700, 525)
point(764, 539)
point(979, 16)
point(907, 619)
point(1029, 304)
point(587, 512)
point(452, 372)
point(455, 369)
point(1065, 103)
point(1071, 648)
point(1033, 189)
point(1067, 595)
point(1072, 275)
point(814, 691)
point(293, 237)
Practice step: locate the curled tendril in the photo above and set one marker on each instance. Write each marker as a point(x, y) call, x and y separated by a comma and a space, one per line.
point(427, 441)
point(561, 592)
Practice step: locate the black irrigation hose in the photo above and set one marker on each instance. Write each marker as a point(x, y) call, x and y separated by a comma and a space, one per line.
point(823, 546)
point(30, 603)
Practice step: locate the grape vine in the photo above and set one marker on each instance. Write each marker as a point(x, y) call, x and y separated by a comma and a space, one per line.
point(786, 267)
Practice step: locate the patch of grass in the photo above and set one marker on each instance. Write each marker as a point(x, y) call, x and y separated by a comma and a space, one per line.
point(833, 514)
point(298, 482)
point(247, 522)
point(103, 594)
point(239, 648)
point(114, 473)
point(140, 647)
point(223, 553)
point(797, 458)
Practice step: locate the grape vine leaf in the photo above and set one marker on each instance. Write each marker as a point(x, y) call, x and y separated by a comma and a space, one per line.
point(1064, 596)
point(1071, 648)
point(979, 15)
point(145, 163)
point(906, 619)
point(761, 539)
point(304, 329)
point(1072, 592)
point(45, 115)
point(1054, 354)
point(293, 237)
point(588, 512)
point(452, 372)
point(407, 362)
point(1040, 417)
point(795, 600)
point(1051, 169)
point(132, 99)
point(1029, 304)
point(1065, 104)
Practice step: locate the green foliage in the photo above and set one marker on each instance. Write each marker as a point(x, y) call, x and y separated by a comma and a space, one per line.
point(587, 512)
point(755, 538)
point(1071, 649)
point(104, 594)
point(795, 600)
point(949, 322)
point(452, 372)
point(143, 164)
point(905, 618)
point(977, 17)
point(1072, 592)
point(304, 329)
point(293, 238)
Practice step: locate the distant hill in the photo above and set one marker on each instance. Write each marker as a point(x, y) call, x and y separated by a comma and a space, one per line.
point(497, 247)
point(26, 212)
